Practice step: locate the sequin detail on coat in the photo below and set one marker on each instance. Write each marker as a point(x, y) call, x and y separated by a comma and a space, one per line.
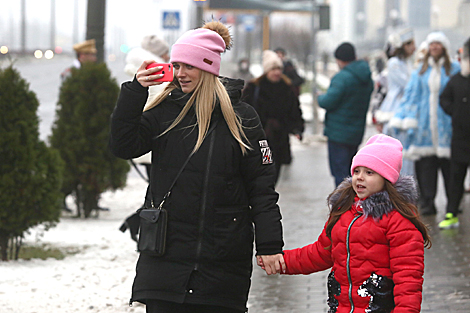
point(334, 289)
point(380, 290)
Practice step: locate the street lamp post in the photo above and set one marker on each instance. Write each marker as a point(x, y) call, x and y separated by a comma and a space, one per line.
point(314, 68)
point(23, 26)
point(52, 43)
point(95, 25)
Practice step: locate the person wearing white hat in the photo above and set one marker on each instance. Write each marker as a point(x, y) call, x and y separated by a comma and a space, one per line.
point(156, 49)
point(274, 98)
point(428, 128)
point(399, 67)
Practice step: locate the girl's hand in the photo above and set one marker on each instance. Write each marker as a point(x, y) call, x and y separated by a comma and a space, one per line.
point(146, 77)
point(272, 264)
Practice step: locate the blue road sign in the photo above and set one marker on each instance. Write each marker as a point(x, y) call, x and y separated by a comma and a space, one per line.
point(249, 21)
point(171, 20)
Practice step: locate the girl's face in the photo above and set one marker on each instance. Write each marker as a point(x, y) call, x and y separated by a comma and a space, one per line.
point(409, 48)
point(366, 182)
point(274, 75)
point(436, 50)
point(188, 76)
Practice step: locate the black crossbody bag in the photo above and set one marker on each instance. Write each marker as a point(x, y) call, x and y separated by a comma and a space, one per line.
point(153, 221)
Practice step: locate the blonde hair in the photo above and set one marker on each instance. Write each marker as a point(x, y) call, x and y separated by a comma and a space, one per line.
point(208, 90)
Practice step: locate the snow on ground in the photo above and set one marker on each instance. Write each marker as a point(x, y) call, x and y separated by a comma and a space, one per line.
point(97, 279)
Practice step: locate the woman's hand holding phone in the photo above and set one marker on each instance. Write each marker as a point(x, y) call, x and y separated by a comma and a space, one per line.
point(151, 73)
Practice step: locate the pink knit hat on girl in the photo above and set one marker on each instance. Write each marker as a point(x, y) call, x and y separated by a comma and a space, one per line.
point(200, 48)
point(383, 155)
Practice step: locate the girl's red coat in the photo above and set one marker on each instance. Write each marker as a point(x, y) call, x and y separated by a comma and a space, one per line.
point(391, 246)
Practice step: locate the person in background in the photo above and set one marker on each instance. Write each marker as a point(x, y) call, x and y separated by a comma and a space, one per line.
point(380, 85)
point(243, 71)
point(459, 53)
point(346, 103)
point(400, 66)
point(85, 52)
point(278, 107)
point(224, 196)
point(428, 128)
point(373, 240)
point(455, 101)
point(156, 49)
point(290, 71)
point(151, 48)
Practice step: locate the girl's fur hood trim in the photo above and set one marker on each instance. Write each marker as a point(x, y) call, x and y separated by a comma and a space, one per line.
point(379, 204)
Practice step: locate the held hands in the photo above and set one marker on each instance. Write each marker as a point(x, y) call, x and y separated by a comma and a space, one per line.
point(146, 77)
point(272, 264)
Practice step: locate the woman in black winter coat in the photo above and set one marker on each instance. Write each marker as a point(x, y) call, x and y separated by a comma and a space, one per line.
point(455, 101)
point(224, 197)
point(278, 107)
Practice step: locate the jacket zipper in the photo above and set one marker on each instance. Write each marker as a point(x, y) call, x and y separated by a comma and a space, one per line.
point(204, 200)
point(347, 263)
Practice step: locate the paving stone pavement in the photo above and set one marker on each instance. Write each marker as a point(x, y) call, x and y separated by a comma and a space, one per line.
point(303, 187)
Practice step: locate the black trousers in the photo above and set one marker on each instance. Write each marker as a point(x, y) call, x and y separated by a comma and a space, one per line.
point(458, 171)
point(159, 306)
point(426, 170)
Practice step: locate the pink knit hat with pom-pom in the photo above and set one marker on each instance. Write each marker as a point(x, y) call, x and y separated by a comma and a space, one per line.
point(382, 154)
point(200, 48)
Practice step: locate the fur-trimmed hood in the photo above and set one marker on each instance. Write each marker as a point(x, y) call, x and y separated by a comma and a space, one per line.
point(379, 204)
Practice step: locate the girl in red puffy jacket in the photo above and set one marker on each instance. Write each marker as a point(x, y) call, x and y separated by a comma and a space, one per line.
point(373, 240)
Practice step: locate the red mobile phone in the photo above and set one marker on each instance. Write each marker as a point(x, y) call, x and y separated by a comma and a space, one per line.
point(167, 71)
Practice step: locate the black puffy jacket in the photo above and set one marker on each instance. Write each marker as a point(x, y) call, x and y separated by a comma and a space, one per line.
point(219, 197)
point(455, 101)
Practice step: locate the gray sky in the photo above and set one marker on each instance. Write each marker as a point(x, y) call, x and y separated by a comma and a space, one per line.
point(125, 19)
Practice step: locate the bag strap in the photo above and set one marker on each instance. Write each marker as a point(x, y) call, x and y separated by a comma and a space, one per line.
point(138, 171)
point(214, 124)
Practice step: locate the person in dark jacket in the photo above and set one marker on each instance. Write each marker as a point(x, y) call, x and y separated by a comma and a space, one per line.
point(224, 197)
point(278, 107)
point(455, 101)
point(290, 71)
point(346, 103)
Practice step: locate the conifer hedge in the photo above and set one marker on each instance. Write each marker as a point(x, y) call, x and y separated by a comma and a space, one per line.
point(30, 172)
point(81, 133)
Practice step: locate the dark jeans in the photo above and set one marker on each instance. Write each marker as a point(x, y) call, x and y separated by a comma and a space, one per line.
point(340, 156)
point(426, 170)
point(159, 306)
point(458, 171)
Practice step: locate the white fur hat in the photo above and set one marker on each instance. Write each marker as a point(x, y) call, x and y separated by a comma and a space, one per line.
point(422, 49)
point(155, 45)
point(441, 38)
point(401, 37)
point(271, 61)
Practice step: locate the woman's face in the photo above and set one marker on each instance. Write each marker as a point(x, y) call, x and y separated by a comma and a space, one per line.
point(366, 182)
point(436, 50)
point(274, 75)
point(188, 76)
point(409, 48)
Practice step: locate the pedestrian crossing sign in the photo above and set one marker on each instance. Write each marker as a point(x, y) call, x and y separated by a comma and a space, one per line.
point(171, 20)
